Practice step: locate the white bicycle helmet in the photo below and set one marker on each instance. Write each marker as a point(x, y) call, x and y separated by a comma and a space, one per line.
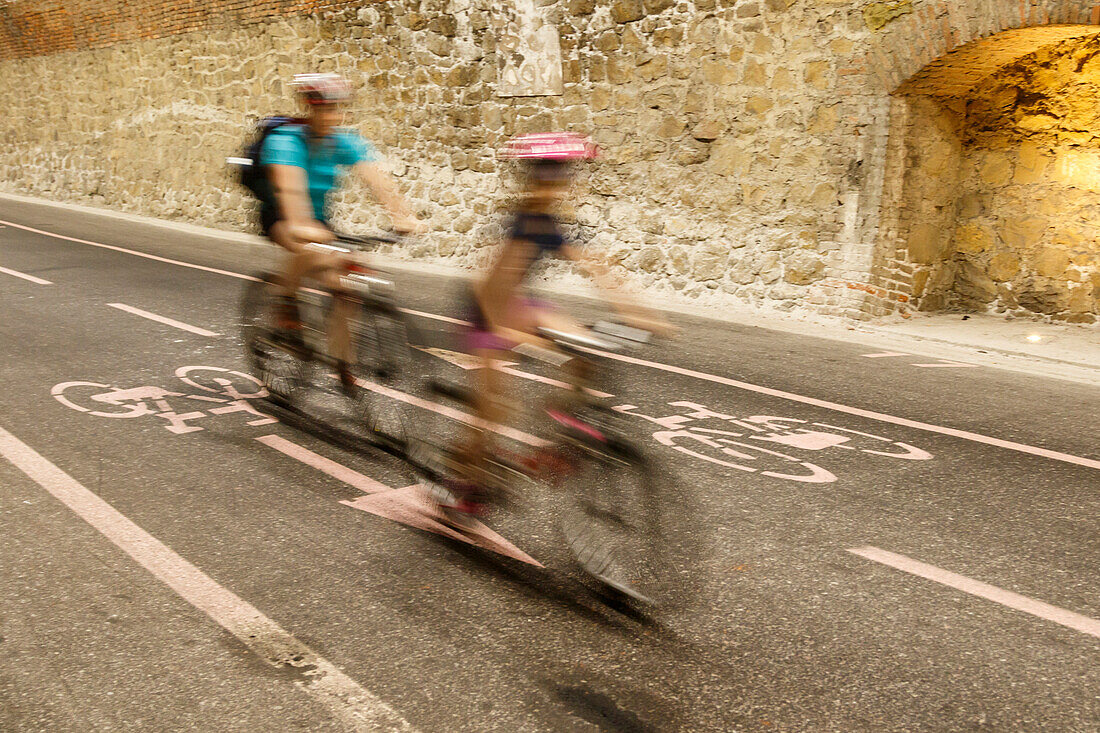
point(322, 88)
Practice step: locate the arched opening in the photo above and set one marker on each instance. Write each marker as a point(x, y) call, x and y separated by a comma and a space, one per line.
point(991, 194)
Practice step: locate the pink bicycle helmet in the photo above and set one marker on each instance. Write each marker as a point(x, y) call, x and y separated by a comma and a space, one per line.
point(562, 147)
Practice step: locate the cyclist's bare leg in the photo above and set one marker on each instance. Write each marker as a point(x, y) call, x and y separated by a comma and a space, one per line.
point(339, 333)
point(301, 260)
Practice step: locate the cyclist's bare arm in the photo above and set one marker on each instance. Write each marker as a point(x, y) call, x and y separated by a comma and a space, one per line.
point(635, 313)
point(296, 227)
point(384, 188)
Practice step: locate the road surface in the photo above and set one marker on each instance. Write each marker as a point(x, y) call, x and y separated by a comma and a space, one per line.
point(890, 542)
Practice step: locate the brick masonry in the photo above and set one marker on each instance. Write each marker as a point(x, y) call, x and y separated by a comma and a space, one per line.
point(755, 149)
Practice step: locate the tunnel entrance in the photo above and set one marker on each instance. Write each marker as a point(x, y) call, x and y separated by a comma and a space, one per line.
point(991, 197)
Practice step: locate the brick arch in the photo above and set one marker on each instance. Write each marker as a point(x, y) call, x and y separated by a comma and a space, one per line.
point(937, 90)
point(957, 43)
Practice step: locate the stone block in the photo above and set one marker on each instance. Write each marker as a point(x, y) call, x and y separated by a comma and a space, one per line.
point(709, 266)
point(1022, 233)
point(996, 171)
point(707, 130)
point(626, 11)
point(926, 243)
point(973, 239)
point(719, 72)
point(877, 15)
point(825, 120)
point(816, 74)
point(969, 206)
point(973, 284)
point(1051, 262)
point(1043, 296)
point(758, 105)
point(804, 268)
point(1004, 266)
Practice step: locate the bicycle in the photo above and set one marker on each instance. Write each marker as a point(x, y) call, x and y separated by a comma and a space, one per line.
point(610, 510)
point(288, 367)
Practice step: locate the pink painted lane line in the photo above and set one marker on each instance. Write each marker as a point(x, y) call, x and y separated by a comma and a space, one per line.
point(547, 380)
point(343, 697)
point(24, 276)
point(162, 319)
point(435, 317)
point(869, 414)
point(412, 507)
point(946, 364)
point(882, 354)
point(1015, 601)
point(858, 412)
point(453, 414)
point(338, 471)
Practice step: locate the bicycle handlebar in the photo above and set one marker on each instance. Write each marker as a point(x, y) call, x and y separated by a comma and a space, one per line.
point(368, 240)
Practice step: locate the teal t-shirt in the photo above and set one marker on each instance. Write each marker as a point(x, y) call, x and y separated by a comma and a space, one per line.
point(322, 160)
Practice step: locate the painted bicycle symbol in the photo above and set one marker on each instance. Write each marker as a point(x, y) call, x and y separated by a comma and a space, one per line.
point(752, 443)
point(230, 391)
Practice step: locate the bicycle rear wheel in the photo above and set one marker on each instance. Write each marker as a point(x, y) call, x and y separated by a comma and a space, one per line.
point(280, 371)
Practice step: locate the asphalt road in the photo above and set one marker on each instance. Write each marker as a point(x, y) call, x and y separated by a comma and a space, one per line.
point(186, 568)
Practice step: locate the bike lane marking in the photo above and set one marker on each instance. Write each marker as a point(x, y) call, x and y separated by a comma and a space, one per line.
point(1040, 609)
point(23, 275)
point(342, 696)
point(163, 319)
point(859, 412)
point(409, 505)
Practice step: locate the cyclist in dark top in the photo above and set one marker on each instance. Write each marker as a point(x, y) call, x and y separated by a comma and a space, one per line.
point(501, 314)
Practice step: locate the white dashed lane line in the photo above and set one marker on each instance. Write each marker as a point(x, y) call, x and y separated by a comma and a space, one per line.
point(24, 276)
point(1069, 619)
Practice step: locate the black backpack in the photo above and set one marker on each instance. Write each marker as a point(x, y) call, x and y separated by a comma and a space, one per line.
point(251, 173)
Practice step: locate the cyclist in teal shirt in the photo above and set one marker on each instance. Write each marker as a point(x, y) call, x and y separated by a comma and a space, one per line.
point(321, 159)
point(304, 163)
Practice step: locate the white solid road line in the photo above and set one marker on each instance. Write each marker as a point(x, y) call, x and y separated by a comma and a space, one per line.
point(869, 414)
point(342, 696)
point(129, 251)
point(30, 278)
point(1045, 611)
point(161, 319)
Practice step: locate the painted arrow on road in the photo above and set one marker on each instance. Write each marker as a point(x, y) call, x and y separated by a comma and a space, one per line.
point(409, 506)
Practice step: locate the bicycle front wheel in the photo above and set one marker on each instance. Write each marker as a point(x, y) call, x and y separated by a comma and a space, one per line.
point(279, 371)
point(388, 370)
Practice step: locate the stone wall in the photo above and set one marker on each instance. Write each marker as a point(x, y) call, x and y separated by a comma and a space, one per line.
point(747, 142)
